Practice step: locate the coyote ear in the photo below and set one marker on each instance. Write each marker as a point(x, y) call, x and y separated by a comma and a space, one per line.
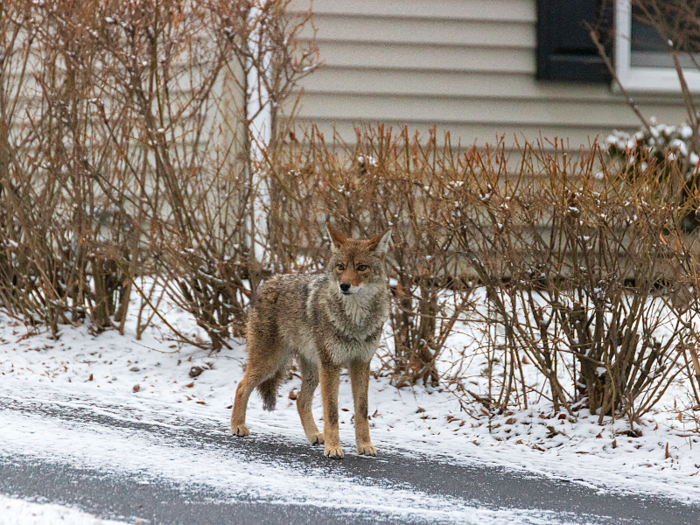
point(380, 244)
point(337, 238)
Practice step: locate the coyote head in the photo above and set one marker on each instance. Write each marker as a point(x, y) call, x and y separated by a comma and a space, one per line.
point(357, 266)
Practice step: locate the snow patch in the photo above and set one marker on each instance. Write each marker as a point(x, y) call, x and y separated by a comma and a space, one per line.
point(15, 511)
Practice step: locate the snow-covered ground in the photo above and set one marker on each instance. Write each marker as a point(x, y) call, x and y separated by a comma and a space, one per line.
point(153, 374)
point(14, 511)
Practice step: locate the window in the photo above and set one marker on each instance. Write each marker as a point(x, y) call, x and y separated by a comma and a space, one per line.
point(642, 60)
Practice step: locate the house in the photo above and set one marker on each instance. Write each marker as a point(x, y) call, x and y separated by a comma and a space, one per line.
point(483, 69)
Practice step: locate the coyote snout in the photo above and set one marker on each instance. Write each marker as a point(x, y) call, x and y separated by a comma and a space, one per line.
point(348, 289)
point(326, 322)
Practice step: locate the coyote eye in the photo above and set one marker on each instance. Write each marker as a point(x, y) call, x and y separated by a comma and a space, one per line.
point(340, 267)
point(362, 268)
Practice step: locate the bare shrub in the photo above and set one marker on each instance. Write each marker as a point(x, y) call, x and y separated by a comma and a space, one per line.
point(51, 145)
point(669, 152)
point(126, 151)
point(574, 266)
point(170, 58)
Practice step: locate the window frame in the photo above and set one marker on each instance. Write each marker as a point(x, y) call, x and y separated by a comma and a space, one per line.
point(643, 79)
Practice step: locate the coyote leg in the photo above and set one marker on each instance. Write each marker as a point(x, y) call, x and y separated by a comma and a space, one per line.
point(330, 376)
point(359, 376)
point(309, 382)
point(240, 405)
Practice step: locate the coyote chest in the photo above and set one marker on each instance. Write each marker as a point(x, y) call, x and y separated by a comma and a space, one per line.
point(343, 328)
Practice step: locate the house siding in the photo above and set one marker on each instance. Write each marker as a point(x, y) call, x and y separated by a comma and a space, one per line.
point(467, 66)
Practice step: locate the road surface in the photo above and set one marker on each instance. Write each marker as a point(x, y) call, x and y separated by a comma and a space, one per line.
point(171, 469)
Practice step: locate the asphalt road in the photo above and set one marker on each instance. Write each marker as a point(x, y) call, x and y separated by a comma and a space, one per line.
point(125, 496)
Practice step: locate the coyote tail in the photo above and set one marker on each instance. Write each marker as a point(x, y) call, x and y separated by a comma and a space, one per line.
point(268, 390)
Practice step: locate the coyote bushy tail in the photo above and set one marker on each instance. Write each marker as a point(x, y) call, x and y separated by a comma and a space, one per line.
point(268, 390)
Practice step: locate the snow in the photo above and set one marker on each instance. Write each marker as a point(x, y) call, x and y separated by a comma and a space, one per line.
point(101, 370)
point(15, 511)
point(231, 472)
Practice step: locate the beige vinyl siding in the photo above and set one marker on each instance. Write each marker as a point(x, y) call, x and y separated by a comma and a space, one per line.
point(522, 10)
point(465, 66)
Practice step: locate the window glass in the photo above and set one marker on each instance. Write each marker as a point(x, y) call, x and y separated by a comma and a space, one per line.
point(648, 48)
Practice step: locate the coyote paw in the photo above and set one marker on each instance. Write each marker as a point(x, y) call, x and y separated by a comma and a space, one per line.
point(316, 439)
point(366, 449)
point(240, 430)
point(334, 452)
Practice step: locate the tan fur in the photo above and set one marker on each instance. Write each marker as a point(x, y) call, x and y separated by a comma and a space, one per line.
point(326, 322)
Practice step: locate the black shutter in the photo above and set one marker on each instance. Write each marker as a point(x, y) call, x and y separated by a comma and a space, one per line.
point(565, 51)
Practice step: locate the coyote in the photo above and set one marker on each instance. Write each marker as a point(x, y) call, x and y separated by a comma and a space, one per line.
point(326, 321)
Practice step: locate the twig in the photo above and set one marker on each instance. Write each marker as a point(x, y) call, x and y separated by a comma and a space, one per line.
point(630, 101)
